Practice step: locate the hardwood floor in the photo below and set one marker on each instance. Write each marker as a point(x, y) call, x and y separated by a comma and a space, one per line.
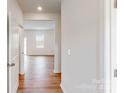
point(39, 76)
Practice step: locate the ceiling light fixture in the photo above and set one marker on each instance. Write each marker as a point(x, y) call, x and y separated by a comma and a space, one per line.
point(39, 8)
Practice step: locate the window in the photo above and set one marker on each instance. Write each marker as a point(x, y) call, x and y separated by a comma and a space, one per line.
point(39, 40)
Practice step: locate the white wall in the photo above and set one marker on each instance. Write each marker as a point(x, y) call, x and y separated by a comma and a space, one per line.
point(120, 46)
point(49, 43)
point(15, 10)
point(57, 18)
point(82, 34)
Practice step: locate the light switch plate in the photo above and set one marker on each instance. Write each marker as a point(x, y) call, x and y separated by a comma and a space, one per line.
point(69, 52)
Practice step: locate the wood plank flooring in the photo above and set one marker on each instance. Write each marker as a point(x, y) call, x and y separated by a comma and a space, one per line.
point(39, 76)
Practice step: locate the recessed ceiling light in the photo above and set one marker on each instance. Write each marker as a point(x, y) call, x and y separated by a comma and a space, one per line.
point(39, 8)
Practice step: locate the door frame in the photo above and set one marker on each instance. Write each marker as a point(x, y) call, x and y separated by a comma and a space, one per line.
point(57, 57)
point(8, 53)
point(109, 46)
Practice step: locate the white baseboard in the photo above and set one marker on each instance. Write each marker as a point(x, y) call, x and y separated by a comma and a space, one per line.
point(63, 88)
point(56, 71)
point(16, 87)
point(41, 54)
point(21, 73)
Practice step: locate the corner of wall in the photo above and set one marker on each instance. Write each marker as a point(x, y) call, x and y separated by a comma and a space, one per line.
point(63, 88)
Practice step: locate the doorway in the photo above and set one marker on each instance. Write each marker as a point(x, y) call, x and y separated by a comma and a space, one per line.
point(39, 38)
point(39, 49)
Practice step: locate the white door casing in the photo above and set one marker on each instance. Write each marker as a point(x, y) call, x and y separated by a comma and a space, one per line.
point(21, 59)
point(110, 71)
point(113, 45)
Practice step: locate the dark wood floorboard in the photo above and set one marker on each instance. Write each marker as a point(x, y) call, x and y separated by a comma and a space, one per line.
point(39, 76)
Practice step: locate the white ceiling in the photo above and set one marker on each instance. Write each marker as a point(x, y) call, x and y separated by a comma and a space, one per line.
point(49, 6)
point(39, 25)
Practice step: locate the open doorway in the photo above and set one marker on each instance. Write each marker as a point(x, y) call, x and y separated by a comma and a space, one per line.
point(39, 40)
point(39, 49)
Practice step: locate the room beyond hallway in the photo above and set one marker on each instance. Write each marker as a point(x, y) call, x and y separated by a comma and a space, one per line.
point(39, 76)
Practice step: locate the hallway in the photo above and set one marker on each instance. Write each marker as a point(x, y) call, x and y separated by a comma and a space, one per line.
point(39, 76)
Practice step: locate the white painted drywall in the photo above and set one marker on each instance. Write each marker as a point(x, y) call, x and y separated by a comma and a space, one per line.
point(82, 46)
point(49, 42)
point(16, 11)
point(39, 25)
point(57, 18)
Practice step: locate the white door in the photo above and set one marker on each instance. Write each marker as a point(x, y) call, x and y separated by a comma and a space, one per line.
point(13, 55)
